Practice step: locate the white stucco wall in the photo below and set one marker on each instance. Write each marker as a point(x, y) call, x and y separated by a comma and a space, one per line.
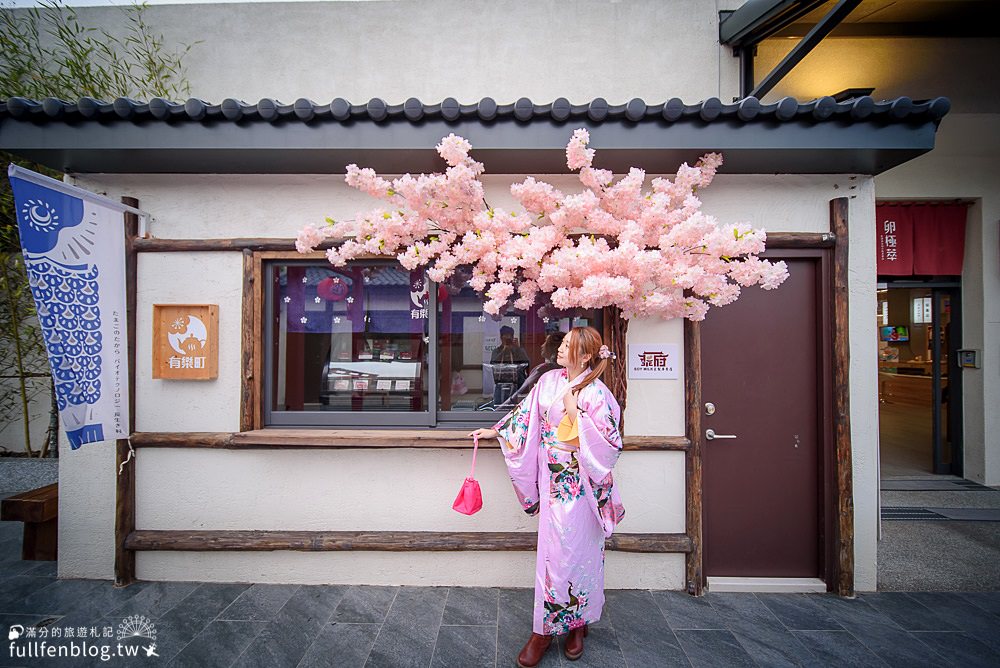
point(211, 489)
point(433, 49)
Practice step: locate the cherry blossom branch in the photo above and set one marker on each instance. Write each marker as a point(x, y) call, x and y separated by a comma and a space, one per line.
point(648, 252)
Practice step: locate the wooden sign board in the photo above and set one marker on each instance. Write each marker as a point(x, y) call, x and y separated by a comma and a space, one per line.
point(185, 341)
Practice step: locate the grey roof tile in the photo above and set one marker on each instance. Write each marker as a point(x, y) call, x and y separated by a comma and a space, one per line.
point(636, 110)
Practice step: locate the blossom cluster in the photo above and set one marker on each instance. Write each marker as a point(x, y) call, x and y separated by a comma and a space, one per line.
point(651, 252)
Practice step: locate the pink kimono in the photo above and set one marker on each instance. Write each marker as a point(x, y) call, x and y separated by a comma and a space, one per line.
point(573, 490)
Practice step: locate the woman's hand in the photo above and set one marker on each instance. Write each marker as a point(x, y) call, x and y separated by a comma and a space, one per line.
point(484, 433)
point(569, 403)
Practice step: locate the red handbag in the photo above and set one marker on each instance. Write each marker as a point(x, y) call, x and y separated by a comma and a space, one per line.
point(470, 498)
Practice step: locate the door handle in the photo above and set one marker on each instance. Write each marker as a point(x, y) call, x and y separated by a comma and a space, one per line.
point(711, 435)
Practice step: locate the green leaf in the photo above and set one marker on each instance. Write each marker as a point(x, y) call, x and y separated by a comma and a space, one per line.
point(557, 468)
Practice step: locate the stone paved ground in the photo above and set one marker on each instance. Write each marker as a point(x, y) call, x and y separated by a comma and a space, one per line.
point(203, 625)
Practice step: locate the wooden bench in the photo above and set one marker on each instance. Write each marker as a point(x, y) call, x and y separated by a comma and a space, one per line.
point(39, 510)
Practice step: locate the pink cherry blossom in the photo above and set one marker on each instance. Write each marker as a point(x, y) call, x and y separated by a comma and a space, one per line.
point(652, 253)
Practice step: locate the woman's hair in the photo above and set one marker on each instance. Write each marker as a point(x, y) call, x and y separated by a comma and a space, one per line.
point(550, 348)
point(585, 341)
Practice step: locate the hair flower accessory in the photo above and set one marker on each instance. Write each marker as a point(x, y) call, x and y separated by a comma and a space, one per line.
point(604, 353)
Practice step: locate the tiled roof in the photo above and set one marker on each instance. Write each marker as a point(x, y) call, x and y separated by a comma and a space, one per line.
point(901, 109)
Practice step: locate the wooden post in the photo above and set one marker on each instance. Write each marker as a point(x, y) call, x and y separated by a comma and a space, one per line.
point(839, 211)
point(125, 480)
point(692, 459)
point(248, 394)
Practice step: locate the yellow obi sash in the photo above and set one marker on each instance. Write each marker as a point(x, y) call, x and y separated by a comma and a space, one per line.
point(568, 431)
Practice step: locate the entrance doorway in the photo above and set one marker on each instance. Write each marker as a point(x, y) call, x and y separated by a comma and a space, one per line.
point(766, 380)
point(919, 379)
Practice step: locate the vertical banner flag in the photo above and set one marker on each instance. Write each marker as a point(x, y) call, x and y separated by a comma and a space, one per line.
point(74, 251)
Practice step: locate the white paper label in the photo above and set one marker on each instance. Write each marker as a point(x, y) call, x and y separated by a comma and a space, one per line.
point(654, 360)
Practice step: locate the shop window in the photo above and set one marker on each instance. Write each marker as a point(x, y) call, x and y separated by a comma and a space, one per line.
point(351, 346)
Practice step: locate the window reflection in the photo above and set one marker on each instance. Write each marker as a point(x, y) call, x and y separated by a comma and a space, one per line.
point(350, 338)
point(487, 364)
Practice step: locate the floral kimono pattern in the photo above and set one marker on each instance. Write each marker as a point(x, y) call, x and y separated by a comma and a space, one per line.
point(572, 490)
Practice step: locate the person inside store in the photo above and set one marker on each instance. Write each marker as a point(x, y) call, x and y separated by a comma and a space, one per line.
point(560, 444)
point(550, 350)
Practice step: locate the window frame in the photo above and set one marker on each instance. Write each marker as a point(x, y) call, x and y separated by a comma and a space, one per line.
point(431, 418)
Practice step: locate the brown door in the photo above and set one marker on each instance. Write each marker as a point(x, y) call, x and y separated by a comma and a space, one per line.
point(762, 372)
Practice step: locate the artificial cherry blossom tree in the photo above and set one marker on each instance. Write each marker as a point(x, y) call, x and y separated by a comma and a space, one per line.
point(648, 252)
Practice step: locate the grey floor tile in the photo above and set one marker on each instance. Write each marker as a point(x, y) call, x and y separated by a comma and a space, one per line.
point(155, 600)
point(907, 612)
point(643, 635)
point(259, 602)
point(987, 600)
point(410, 629)
point(837, 648)
point(685, 612)
point(173, 634)
point(514, 629)
point(799, 612)
point(713, 649)
point(14, 590)
point(959, 649)
point(961, 613)
point(600, 648)
point(340, 644)
point(59, 598)
point(105, 598)
point(464, 646)
point(742, 609)
point(209, 600)
point(471, 606)
point(44, 568)
point(10, 548)
point(896, 648)
point(853, 612)
point(218, 645)
point(284, 641)
point(769, 646)
point(365, 604)
point(12, 567)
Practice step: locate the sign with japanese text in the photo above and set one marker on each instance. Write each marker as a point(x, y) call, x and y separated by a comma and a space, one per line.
point(185, 341)
point(894, 239)
point(654, 360)
point(74, 255)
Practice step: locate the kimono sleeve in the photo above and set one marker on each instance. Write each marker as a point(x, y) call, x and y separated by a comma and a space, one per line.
point(600, 440)
point(519, 433)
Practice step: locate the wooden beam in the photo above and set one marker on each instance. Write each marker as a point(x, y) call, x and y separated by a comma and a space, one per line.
point(203, 245)
point(692, 469)
point(786, 240)
point(839, 211)
point(379, 541)
point(285, 248)
point(125, 476)
point(354, 438)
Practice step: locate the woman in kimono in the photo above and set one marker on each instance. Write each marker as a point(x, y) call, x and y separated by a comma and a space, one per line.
point(560, 444)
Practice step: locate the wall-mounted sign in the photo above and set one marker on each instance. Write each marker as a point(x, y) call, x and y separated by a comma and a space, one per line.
point(185, 341)
point(654, 360)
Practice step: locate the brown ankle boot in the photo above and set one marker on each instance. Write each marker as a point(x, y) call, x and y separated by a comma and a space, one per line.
point(574, 643)
point(533, 651)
